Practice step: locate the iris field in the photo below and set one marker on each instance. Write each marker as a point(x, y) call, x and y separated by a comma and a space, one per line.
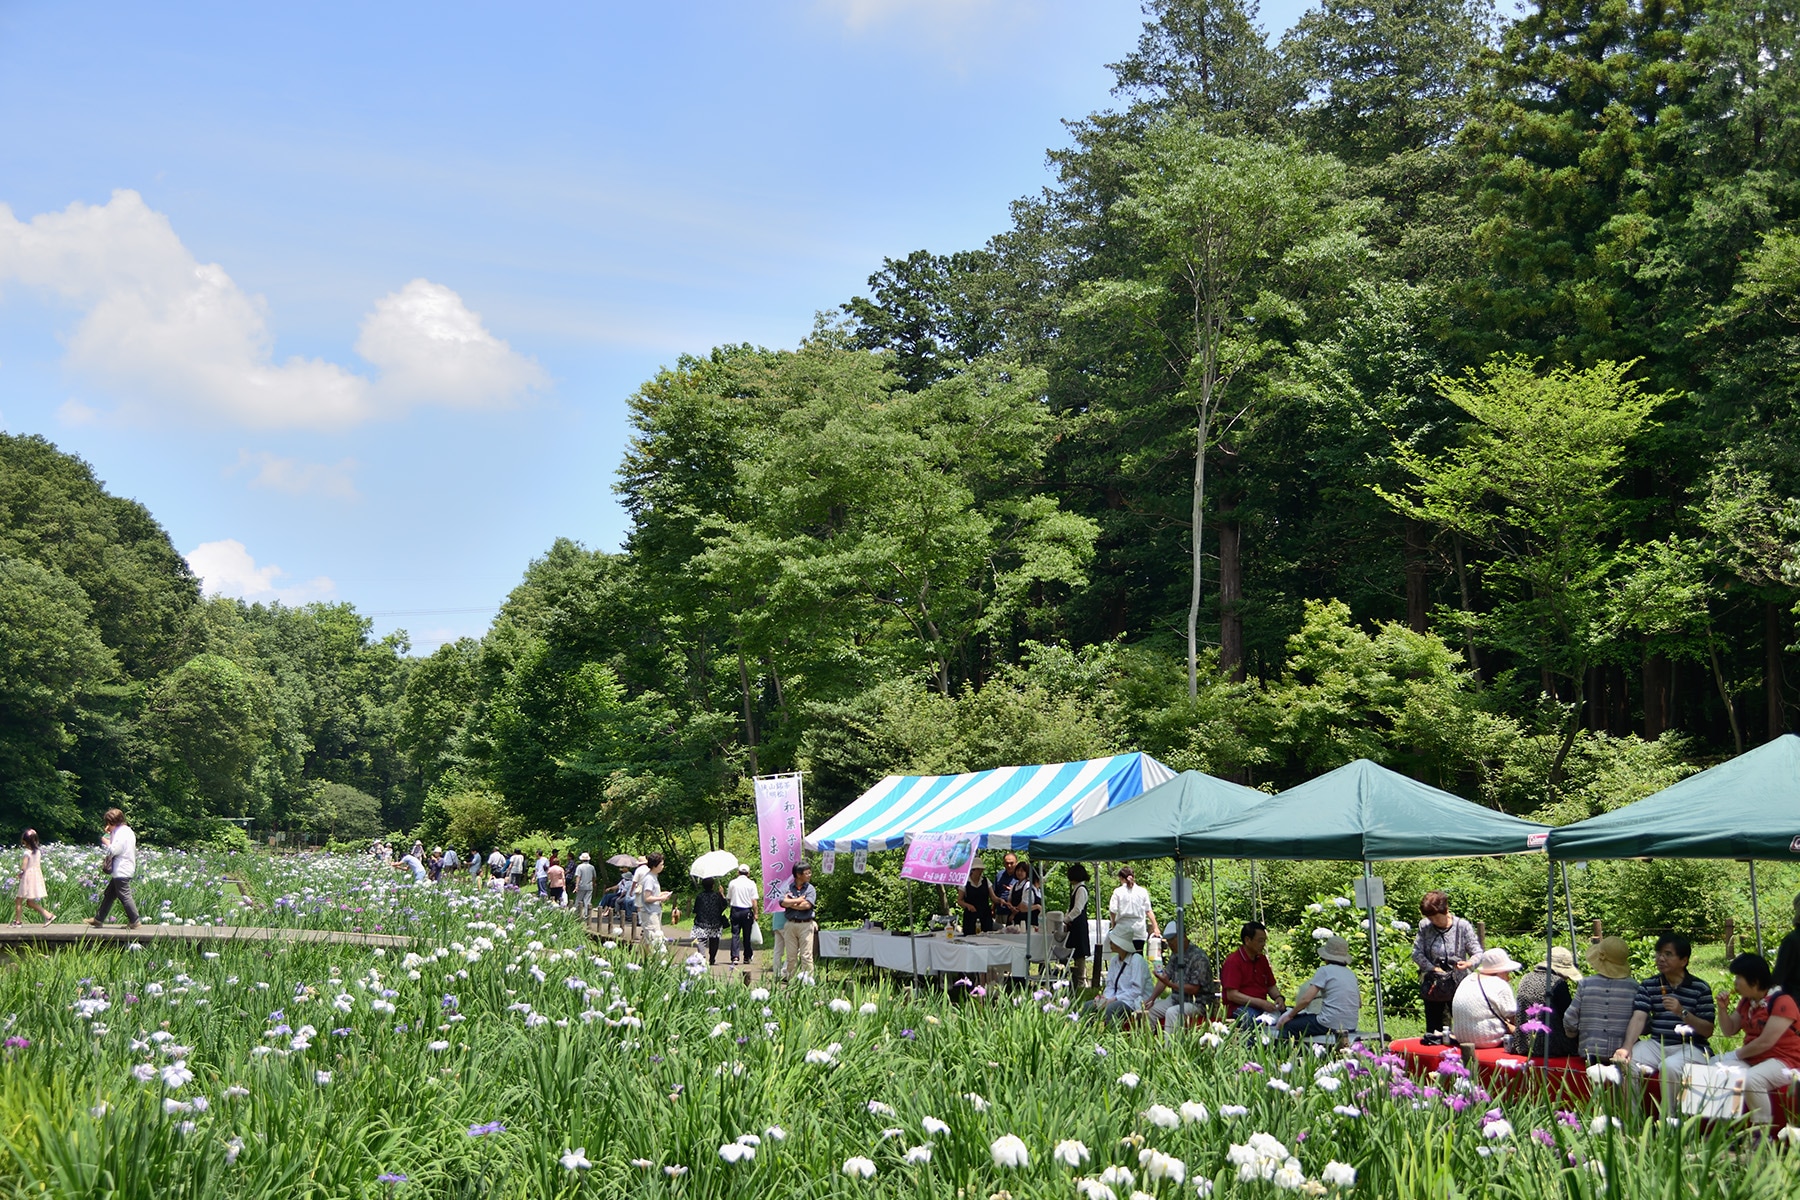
point(509, 1055)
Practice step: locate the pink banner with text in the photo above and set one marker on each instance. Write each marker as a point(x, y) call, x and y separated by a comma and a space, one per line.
point(943, 858)
point(779, 829)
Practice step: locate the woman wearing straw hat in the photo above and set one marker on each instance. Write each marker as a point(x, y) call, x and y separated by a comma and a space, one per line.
point(1334, 985)
point(1603, 1004)
point(1485, 1010)
point(1549, 985)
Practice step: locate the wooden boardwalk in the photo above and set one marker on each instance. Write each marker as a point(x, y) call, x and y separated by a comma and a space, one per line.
point(64, 934)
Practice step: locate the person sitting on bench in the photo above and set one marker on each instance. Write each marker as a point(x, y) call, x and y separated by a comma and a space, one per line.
point(1334, 985)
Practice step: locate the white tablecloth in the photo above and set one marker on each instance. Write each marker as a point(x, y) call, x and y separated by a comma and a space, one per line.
point(972, 955)
point(893, 953)
point(848, 943)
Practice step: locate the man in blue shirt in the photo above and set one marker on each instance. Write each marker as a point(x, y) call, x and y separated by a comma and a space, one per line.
point(798, 900)
point(1676, 1010)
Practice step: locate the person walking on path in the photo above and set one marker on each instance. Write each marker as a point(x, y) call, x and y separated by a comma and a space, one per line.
point(32, 893)
point(709, 918)
point(799, 899)
point(555, 878)
point(740, 895)
point(650, 901)
point(120, 844)
point(585, 876)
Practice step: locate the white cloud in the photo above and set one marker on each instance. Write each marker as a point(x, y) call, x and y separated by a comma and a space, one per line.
point(168, 334)
point(226, 568)
point(297, 478)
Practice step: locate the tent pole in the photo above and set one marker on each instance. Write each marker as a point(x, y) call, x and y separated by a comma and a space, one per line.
point(1569, 910)
point(1212, 878)
point(912, 930)
point(1549, 934)
point(1374, 954)
point(1755, 907)
point(1187, 934)
point(1100, 928)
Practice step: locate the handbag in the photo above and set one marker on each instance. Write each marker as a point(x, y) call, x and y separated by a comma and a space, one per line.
point(756, 933)
point(1712, 1090)
point(1438, 985)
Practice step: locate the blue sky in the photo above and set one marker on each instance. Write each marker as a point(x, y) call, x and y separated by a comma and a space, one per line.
point(351, 296)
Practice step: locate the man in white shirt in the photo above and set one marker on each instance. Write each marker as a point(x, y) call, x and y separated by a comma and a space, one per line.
point(120, 844)
point(496, 867)
point(741, 895)
point(540, 871)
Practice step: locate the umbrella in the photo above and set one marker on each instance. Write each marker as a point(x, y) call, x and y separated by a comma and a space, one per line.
point(623, 860)
point(713, 864)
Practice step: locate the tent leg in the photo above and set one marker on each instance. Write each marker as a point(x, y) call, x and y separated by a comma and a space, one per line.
point(1187, 936)
point(1755, 907)
point(1569, 911)
point(1549, 935)
point(912, 930)
point(1375, 955)
point(1100, 928)
point(1212, 878)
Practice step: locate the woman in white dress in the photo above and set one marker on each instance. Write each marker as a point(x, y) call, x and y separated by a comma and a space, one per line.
point(31, 891)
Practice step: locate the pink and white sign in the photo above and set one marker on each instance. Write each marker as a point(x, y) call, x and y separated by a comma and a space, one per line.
point(943, 858)
point(779, 830)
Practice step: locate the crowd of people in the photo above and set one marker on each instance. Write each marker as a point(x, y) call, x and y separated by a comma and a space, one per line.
point(565, 884)
point(1656, 1026)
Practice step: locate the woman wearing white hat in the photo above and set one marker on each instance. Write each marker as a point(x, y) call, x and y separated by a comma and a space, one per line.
point(1335, 988)
point(1127, 981)
point(1485, 1010)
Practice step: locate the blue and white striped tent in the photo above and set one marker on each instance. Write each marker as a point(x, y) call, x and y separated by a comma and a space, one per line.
point(1006, 806)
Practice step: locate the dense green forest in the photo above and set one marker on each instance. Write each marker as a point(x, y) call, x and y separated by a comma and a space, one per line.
point(1417, 386)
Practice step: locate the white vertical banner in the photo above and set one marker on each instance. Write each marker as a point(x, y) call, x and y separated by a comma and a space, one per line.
point(859, 862)
point(828, 862)
point(779, 831)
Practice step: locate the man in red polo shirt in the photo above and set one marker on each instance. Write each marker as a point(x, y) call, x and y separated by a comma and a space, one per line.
point(1248, 979)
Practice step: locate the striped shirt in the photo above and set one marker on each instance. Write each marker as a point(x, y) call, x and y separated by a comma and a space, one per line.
point(1600, 1014)
point(1696, 999)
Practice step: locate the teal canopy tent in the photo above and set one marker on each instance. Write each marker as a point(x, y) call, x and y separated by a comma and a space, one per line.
point(1747, 808)
point(1154, 825)
point(1161, 823)
point(1363, 812)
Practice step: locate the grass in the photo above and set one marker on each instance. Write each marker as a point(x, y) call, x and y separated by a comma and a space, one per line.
point(508, 1039)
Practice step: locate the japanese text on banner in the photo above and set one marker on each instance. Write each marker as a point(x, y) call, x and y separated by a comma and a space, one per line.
point(779, 830)
point(942, 858)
